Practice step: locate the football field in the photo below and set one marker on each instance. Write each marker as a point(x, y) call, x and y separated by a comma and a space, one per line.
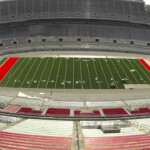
point(75, 73)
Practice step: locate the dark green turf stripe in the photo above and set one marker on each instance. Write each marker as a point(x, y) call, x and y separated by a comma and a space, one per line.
point(53, 75)
point(140, 74)
point(146, 72)
point(121, 71)
point(101, 74)
point(134, 74)
point(128, 72)
point(31, 73)
point(61, 74)
point(85, 74)
point(37, 76)
point(27, 78)
point(23, 73)
point(69, 74)
point(77, 74)
point(74, 73)
point(115, 73)
point(50, 73)
point(3, 60)
point(45, 74)
point(93, 74)
point(109, 77)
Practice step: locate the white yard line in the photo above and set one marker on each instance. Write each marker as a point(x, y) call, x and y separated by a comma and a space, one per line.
point(131, 73)
point(65, 73)
point(28, 72)
point(35, 73)
point(57, 73)
point(141, 70)
point(138, 73)
point(124, 72)
point(96, 73)
point(81, 72)
point(14, 72)
point(89, 74)
point(115, 69)
point(43, 73)
point(50, 72)
point(22, 71)
point(111, 74)
point(104, 73)
point(73, 73)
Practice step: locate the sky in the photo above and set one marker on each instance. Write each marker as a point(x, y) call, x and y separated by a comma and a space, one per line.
point(147, 1)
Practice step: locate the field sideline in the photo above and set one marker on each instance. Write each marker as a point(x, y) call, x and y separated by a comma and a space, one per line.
point(75, 73)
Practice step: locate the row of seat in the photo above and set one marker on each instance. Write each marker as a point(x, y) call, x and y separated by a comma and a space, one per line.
point(67, 111)
point(128, 138)
point(120, 142)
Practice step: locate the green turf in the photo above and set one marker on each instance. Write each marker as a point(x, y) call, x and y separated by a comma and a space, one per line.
point(2, 61)
point(75, 73)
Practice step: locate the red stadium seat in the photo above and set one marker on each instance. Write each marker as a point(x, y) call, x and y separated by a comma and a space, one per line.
point(58, 112)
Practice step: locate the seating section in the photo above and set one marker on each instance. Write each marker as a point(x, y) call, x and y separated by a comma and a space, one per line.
point(22, 141)
point(115, 112)
point(128, 138)
point(8, 119)
point(43, 128)
point(95, 113)
point(106, 104)
point(77, 113)
point(27, 102)
point(12, 108)
point(120, 142)
point(58, 108)
point(24, 110)
point(2, 124)
point(5, 99)
point(63, 104)
point(141, 111)
point(58, 112)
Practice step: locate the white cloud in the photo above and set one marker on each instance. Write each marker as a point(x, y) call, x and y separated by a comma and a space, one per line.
point(147, 1)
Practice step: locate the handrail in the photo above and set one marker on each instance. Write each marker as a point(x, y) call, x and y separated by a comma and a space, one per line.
point(74, 118)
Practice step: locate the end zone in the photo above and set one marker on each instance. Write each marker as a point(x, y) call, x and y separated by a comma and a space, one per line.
point(144, 63)
point(6, 67)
